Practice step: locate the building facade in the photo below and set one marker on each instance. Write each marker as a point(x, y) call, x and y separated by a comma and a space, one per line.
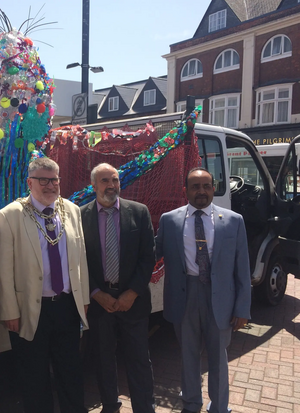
point(243, 66)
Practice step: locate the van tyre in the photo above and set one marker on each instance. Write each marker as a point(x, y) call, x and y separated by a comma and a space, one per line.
point(272, 289)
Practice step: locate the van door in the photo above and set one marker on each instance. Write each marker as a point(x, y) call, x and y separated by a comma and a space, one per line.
point(287, 208)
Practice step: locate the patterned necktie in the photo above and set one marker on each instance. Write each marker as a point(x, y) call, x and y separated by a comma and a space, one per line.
point(54, 257)
point(111, 248)
point(202, 257)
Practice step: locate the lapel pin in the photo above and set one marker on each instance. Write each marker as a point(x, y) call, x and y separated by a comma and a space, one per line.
point(220, 216)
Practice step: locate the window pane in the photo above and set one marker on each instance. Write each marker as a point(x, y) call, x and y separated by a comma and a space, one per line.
point(199, 67)
point(287, 45)
point(219, 103)
point(236, 59)
point(269, 95)
point(283, 94)
point(268, 113)
point(232, 118)
point(219, 63)
point(227, 58)
point(185, 71)
point(277, 45)
point(283, 111)
point(267, 51)
point(232, 101)
point(219, 117)
point(192, 66)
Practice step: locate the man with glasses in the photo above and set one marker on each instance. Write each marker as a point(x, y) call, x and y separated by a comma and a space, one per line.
point(44, 291)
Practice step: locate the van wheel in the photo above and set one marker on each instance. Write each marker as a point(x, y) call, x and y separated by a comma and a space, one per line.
point(272, 289)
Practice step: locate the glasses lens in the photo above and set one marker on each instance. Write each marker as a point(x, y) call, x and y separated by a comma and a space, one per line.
point(44, 181)
point(55, 181)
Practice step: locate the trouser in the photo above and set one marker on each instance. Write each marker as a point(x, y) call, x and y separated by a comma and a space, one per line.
point(105, 330)
point(197, 326)
point(57, 340)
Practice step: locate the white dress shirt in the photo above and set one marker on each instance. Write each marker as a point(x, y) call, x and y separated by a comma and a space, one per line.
point(189, 240)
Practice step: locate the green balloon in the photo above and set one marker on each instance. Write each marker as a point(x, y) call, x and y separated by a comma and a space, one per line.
point(19, 143)
point(13, 70)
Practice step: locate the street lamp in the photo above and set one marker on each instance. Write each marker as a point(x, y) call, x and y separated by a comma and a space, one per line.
point(94, 69)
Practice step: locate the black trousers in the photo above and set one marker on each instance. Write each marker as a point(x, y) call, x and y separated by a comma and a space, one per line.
point(133, 335)
point(57, 340)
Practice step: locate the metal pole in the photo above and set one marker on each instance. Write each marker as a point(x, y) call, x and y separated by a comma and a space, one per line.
point(85, 47)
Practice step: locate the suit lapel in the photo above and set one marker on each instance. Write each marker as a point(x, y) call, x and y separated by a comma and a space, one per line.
point(125, 226)
point(179, 221)
point(219, 225)
point(93, 225)
point(33, 236)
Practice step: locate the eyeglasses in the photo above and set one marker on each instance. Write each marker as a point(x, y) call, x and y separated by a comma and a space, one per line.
point(46, 181)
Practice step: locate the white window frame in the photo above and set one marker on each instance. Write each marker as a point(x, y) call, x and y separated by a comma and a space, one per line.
point(217, 21)
point(147, 97)
point(226, 109)
point(262, 104)
point(224, 68)
point(181, 107)
point(113, 104)
point(275, 56)
point(190, 76)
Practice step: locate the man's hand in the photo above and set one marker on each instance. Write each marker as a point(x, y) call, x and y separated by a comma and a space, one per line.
point(126, 300)
point(108, 302)
point(13, 325)
point(238, 322)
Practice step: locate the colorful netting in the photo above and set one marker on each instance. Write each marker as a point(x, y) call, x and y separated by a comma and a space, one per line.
point(160, 188)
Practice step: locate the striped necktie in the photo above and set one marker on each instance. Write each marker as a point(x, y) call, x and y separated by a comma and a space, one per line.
point(111, 248)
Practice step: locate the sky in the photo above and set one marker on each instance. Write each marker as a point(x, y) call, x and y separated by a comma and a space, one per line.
point(127, 38)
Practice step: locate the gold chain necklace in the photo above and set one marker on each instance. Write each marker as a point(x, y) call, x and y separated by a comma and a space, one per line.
point(59, 209)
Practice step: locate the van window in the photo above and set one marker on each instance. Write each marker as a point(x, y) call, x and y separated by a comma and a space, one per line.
point(290, 182)
point(211, 159)
point(242, 164)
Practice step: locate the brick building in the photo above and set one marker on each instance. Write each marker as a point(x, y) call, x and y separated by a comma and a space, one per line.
point(243, 66)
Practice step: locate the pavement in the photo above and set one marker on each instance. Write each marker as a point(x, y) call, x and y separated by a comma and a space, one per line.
point(264, 364)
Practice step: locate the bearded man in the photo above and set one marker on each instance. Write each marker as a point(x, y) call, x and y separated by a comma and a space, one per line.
point(120, 253)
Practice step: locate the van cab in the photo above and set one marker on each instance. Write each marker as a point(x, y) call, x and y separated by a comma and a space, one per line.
point(271, 213)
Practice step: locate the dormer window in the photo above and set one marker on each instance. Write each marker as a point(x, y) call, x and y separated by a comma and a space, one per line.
point(113, 104)
point(149, 97)
point(191, 70)
point(217, 21)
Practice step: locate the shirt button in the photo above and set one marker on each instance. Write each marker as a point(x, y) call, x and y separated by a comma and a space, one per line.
point(38, 301)
point(40, 278)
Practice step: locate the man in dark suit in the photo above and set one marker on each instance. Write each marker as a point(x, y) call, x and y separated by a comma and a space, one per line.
point(207, 289)
point(120, 252)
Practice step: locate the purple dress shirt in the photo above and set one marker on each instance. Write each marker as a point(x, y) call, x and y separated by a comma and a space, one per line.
point(62, 246)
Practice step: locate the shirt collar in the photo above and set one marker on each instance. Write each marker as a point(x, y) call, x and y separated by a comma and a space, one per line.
point(191, 210)
point(116, 205)
point(40, 206)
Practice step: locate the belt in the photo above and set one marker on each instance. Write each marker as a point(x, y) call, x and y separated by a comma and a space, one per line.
point(55, 297)
point(112, 286)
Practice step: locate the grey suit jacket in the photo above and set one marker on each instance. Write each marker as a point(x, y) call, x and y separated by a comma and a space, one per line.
point(230, 271)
